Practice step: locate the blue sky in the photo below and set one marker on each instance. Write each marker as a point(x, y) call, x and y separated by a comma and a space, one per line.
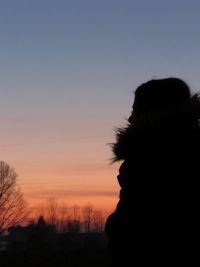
point(68, 70)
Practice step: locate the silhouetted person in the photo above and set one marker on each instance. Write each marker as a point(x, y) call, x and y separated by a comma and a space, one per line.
point(156, 220)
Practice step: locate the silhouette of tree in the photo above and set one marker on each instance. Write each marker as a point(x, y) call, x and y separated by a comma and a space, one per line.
point(39, 234)
point(75, 213)
point(42, 227)
point(13, 207)
point(52, 214)
point(63, 218)
point(88, 217)
point(98, 221)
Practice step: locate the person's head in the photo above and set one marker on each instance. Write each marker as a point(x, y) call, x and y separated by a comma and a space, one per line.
point(158, 94)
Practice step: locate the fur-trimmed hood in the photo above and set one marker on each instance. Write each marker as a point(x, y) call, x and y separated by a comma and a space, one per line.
point(172, 120)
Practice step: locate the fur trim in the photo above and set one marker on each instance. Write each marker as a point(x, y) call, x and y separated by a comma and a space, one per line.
point(174, 119)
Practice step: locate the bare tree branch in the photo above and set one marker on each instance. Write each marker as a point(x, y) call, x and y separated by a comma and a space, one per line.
point(13, 207)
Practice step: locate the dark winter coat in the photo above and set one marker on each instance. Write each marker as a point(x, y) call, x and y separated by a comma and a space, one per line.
point(156, 217)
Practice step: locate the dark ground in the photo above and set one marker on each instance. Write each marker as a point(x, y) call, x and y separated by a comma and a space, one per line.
point(60, 251)
point(56, 259)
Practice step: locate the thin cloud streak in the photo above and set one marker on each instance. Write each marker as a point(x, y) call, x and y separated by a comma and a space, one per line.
point(72, 193)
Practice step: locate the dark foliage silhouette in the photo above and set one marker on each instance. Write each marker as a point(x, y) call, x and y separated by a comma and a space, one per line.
point(156, 219)
point(57, 235)
point(39, 234)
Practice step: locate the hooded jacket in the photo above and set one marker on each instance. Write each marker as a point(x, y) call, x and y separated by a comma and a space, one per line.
point(159, 180)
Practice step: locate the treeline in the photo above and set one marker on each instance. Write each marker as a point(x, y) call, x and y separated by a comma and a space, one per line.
point(61, 218)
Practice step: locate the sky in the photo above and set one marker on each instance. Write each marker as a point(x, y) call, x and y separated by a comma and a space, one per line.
point(68, 71)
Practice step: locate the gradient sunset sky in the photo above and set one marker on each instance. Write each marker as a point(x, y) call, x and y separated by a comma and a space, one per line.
point(68, 71)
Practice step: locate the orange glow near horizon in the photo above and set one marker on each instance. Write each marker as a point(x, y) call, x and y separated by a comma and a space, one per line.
point(75, 184)
point(68, 162)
